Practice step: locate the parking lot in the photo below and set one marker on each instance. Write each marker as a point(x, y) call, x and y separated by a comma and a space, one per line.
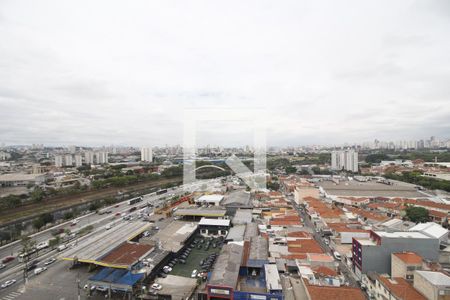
point(196, 255)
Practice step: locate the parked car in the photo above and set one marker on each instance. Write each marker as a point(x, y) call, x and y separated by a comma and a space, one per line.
point(74, 222)
point(156, 286)
point(102, 289)
point(194, 274)
point(2, 266)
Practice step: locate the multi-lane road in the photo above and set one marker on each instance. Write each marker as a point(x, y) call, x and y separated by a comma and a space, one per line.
point(14, 269)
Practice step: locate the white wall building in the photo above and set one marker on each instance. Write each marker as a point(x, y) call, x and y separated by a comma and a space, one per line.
point(58, 161)
point(344, 159)
point(78, 160)
point(102, 158)
point(68, 160)
point(146, 154)
point(89, 157)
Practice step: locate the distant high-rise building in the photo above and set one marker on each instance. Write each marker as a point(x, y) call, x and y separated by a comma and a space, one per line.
point(88, 157)
point(344, 160)
point(58, 161)
point(78, 160)
point(68, 160)
point(146, 154)
point(102, 158)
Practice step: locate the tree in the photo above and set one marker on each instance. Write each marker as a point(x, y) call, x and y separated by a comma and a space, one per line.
point(12, 201)
point(417, 214)
point(37, 194)
point(42, 221)
point(54, 242)
point(290, 169)
point(27, 244)
point(275, 186)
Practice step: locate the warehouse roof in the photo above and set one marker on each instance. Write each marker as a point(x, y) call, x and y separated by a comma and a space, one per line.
point(435, 278)
point(210, 198)
point(214, 222)
point(93, 249)
point(226, 269)
point(432, 229)
point(242, 216)
point(173, 236)
point(236, 233)
point(126, 254)
point(200, 212)
point(273, 281)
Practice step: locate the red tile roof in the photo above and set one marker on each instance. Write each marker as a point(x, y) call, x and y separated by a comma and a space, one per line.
point(304, 246)
point(329, 292)
point(409, 257)
point(401, 288)
point(126, 254)
point(325, 271)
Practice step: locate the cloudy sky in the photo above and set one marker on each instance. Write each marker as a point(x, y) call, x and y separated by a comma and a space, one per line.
point(102, 72)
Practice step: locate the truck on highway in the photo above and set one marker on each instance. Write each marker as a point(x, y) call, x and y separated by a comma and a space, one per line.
point(135, 200)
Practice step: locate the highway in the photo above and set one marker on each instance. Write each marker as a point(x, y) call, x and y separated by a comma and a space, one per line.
point(14, 269)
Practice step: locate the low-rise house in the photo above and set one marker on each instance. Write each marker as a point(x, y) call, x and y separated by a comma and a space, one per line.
point(435, 285)
point(403, 264)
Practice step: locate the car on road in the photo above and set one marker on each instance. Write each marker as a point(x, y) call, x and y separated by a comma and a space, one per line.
point(8, 283)
point(336, 255)
point(108, 227)
point(327, 242)
point(38, 271)
point(156, 286)
point(50, 261)
point(7, 259)
point(43, 245)
point(2, 266)
point(74, 222)
point(61, 247)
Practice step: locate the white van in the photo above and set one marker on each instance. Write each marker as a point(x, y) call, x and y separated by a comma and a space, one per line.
point(336, 255)
point(61, 247)
point(38, 271)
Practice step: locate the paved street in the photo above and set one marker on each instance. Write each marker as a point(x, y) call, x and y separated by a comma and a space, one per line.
point(350, 277)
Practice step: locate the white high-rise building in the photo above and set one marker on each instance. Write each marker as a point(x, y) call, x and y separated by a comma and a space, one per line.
point(88, 157)
point(58, 161)
point(68, 160)
point(344, 159)
point(146, 154)
point(102, 158)
point(78, 160)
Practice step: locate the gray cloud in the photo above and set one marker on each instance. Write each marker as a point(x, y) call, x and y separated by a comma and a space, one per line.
point(325, 72)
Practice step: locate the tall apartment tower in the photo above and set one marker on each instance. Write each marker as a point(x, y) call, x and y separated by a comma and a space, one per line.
point(146, 154)
point(78, 160)
point(68, 160)
point(88, 157)
point(58, 161)
point(344, 159)
point(102, 158)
